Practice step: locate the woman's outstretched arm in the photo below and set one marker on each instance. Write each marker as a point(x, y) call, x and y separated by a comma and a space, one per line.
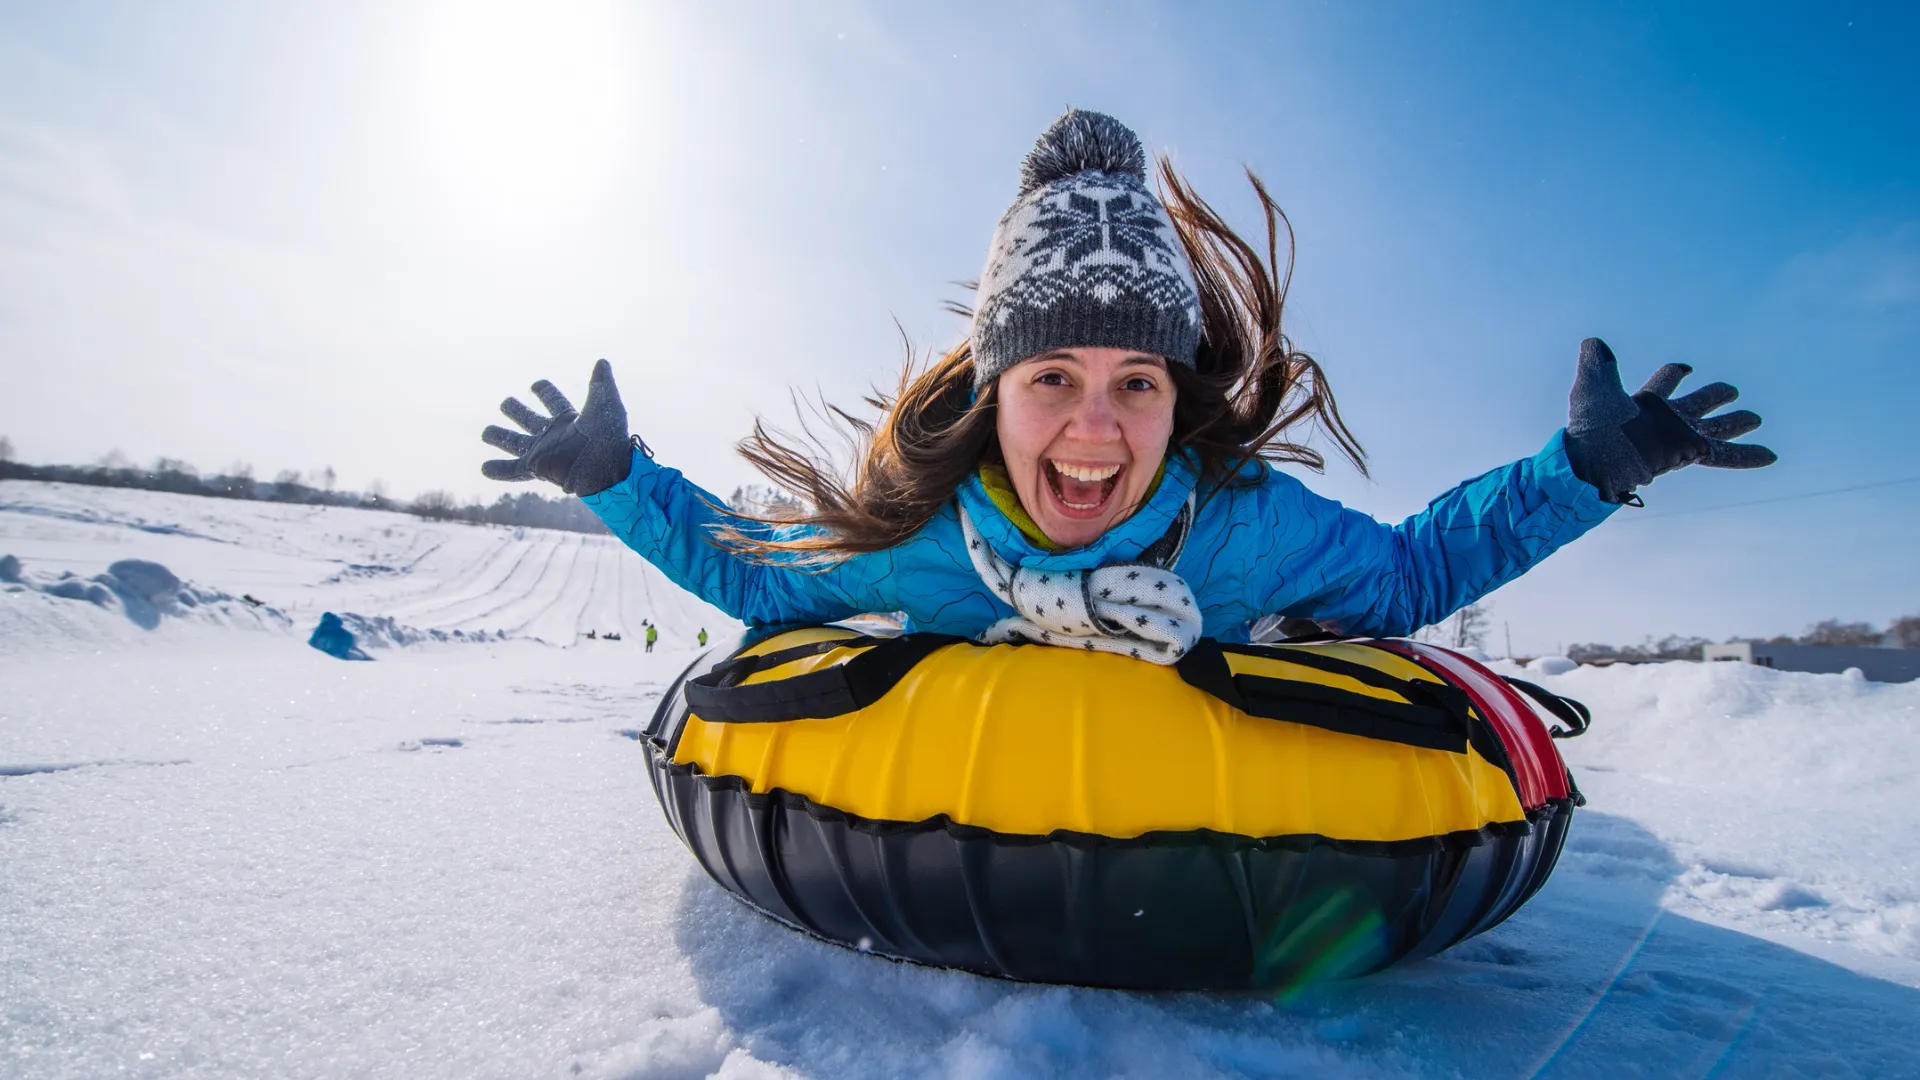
point(1369, 578)
point(670, 521)
point(660, 514)
point(1356, 575)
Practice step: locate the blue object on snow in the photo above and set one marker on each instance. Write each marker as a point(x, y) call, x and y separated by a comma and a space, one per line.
point(333, 638)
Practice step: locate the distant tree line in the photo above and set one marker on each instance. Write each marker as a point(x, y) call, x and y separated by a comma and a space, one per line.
point(763, 501)
point(237, 481)
point(1901, 633)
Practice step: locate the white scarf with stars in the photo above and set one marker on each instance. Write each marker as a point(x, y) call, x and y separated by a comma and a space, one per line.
point(1137, 609)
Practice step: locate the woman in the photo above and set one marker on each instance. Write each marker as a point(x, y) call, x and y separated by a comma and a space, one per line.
point(1087, 469)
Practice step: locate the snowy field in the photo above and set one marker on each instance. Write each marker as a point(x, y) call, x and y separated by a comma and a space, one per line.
point(223, 853)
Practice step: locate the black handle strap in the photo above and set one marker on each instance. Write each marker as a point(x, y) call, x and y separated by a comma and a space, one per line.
point(1576, 716)
point(1433, 716)
point(717, 696)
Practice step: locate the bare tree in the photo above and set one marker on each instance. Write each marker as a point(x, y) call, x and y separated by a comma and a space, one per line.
point(1905, 632)
point(115, 459)
point(327, 478)
point(1465, 629)
point(1835, 632)
point(237, 480)
point(1470, 625)
point(6, 448)
point(435, 504)
point(164, 465)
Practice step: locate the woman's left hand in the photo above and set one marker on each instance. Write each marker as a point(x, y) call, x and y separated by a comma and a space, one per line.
point(1617, 443)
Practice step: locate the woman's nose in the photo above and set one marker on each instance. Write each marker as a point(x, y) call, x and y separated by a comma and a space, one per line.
point(1094, 419)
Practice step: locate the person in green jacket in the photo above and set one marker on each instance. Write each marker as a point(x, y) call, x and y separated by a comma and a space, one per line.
point(703, 637)
point(653, 635)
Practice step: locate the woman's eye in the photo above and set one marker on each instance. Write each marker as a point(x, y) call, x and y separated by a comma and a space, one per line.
point(1051, 378)
point(1141, 385)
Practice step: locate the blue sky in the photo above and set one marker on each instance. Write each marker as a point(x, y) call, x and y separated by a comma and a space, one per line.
point(338, 234)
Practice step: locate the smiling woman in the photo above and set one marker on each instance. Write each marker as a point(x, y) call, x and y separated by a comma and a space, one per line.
point(1085, 470)
point(1083, 432)
point(528, 106)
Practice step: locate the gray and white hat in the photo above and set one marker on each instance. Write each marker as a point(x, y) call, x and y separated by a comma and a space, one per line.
point(1085, 257)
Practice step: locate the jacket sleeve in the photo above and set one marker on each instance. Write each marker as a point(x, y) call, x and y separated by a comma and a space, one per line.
point(1360, 576)
point(669, 521)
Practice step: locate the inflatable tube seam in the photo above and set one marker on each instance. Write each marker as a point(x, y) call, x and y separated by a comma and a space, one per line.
point(1461, 840)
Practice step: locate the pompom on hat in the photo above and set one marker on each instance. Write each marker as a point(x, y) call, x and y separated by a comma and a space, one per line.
point(1085, 257)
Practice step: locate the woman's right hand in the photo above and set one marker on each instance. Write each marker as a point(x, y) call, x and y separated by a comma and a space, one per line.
point(584, 452)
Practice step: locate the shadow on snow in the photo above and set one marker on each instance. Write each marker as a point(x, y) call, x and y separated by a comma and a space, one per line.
point(1592, 978)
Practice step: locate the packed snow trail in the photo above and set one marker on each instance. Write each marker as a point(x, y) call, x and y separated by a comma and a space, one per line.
point(302, 560)
point(227, 854)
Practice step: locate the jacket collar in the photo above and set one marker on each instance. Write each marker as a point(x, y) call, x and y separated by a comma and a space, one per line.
point(1122, 543)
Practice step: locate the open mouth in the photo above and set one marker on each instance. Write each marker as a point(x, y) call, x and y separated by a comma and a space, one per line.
point(1082, 490)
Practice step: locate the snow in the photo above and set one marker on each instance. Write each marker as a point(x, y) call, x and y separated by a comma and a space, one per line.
point(422, 577)
point(227, 854)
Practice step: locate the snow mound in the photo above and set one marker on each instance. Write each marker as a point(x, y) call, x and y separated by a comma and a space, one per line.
point(1551, 665)
point(383, 632)
point(138, 591)
point(1775, 790)
point(434, 580)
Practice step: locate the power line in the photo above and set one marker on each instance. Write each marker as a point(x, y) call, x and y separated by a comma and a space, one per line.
point(1774, 499)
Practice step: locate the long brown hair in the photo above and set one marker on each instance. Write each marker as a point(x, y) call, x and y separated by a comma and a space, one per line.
point(1247, 389)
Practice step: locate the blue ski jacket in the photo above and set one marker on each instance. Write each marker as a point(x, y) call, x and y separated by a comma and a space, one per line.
point(1265, 547)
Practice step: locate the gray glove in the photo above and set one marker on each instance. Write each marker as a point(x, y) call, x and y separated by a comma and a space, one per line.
point(1617, 443)
point(584, 452)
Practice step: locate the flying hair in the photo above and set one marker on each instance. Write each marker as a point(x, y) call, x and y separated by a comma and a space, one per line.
point(1248, 393)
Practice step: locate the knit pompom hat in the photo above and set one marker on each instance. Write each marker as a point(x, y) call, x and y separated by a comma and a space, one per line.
point(1085, 257)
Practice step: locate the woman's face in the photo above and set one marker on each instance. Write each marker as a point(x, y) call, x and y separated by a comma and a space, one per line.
point(1083, 432)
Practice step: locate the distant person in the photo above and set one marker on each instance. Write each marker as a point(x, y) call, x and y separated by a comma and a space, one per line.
point(1094, 467)
point(703, 636)
point(653, 635)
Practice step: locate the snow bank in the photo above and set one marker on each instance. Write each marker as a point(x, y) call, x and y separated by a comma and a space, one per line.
point(415, 582)
point(49, 608)
point(1788, 797)
point(383, 632)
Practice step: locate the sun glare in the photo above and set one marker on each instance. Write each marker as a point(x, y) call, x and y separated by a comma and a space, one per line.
point(528, 105)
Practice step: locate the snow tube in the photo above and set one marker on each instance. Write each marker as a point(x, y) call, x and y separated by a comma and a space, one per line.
point(1257, 816)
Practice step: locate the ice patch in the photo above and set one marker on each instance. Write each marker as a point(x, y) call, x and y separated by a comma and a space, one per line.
point(411, 745)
